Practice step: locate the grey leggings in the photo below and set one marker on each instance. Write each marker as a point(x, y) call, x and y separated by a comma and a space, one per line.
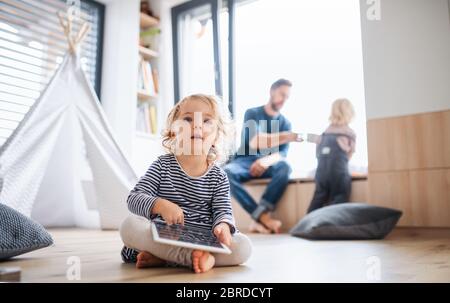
point(136, 233)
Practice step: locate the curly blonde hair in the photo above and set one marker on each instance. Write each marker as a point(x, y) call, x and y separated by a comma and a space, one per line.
point(224, 143)
point(342, 112)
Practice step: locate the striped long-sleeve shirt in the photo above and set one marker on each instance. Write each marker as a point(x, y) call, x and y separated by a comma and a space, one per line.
point(205, 200)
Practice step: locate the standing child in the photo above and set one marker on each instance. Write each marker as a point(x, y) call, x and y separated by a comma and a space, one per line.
point(185, 186)
point(334, 148)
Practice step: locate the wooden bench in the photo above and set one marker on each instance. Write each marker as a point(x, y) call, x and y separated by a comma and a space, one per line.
point(294, 202)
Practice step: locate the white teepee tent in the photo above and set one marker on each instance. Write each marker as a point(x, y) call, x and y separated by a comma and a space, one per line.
point(61, 165)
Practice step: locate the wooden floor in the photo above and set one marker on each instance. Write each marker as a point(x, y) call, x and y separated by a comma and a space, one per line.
point(407, 255)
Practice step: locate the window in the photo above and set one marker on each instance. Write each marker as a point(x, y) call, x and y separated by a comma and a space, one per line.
point(196, 48)
point(197, 52)
point(317, 45)
point(32, 45)
point(314, 43)
point(203, 48)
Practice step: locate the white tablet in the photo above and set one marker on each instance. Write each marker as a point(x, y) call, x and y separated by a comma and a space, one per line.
point(312, 138)
point(190, 237)
point(307, 137)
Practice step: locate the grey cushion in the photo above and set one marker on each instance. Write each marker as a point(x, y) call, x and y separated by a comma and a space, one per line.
point(347, 221)
point(19, 234)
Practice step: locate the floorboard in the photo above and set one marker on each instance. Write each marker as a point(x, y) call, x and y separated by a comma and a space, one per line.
point(406, 255)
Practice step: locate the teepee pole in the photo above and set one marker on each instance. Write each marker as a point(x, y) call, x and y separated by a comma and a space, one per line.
point(83, 32)
point(67, 25)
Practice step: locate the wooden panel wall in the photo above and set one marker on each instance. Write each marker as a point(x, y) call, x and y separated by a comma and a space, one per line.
point(409, 167)
point(294, 203)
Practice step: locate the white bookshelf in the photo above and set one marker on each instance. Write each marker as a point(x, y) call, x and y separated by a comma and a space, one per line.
point(147, 143)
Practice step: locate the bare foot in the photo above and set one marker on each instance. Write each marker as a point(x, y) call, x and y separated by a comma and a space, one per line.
point(256, 227)
point(202, 261)
point(146, 259)
point(271, 224)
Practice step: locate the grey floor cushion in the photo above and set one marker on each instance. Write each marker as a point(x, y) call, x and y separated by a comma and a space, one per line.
point(347, 221)
point(19, 234)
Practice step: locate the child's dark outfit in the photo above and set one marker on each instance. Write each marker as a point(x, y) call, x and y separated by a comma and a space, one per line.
point(333, 181)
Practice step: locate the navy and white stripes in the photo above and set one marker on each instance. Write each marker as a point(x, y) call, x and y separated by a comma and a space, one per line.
point(205, 200)
point(129, 255)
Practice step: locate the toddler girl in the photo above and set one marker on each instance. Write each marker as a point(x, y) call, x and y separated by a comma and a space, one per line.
point(185, 186)
point(334, 148)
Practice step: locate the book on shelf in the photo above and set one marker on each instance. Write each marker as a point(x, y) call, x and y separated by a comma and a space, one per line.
point(148, 78)
point(148, 123)
point(140, 78)
point(140, 120)
point(155, 81)
point(146, 120)
point(152, 116)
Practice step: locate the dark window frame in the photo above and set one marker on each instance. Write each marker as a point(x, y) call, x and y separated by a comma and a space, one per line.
point(34, 21)
point(99, 54)
point(100, 7)
point(216, 6)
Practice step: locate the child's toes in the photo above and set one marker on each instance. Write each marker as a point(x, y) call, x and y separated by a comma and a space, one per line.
point(206, 262)
point(196, 266)
point(145, 259)
point(196, 260)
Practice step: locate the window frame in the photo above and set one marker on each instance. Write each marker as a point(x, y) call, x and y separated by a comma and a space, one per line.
point(99, 31)
point(176, 12)
point(100, 37)
point(19, 14)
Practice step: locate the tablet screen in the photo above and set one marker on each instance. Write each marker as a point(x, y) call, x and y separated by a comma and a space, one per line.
point(183, 233)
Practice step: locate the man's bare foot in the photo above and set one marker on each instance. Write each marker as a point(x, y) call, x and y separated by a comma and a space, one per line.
point(146, 259)
point(256, 227)
point(202, 261)
point(271, 224)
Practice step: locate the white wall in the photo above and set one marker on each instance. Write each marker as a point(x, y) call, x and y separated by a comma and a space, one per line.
point(120, 68)
point(406, 57)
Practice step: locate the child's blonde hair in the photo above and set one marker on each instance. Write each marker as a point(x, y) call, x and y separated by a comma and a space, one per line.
point(224, 142)
point(342, 112)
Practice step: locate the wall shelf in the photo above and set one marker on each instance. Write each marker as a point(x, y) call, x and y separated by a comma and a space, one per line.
point(146, 135)
point(142, 96)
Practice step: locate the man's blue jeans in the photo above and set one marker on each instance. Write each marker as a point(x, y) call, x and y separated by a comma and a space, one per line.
point(238, 171)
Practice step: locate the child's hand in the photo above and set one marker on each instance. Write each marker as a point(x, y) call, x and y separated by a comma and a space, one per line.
point(171, 213)
point(222, 232)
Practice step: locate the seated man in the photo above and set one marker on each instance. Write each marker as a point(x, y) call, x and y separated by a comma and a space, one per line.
point(265, 141)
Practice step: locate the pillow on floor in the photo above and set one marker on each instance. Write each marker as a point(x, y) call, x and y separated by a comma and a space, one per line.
point(19, 234)
point(347, 221)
